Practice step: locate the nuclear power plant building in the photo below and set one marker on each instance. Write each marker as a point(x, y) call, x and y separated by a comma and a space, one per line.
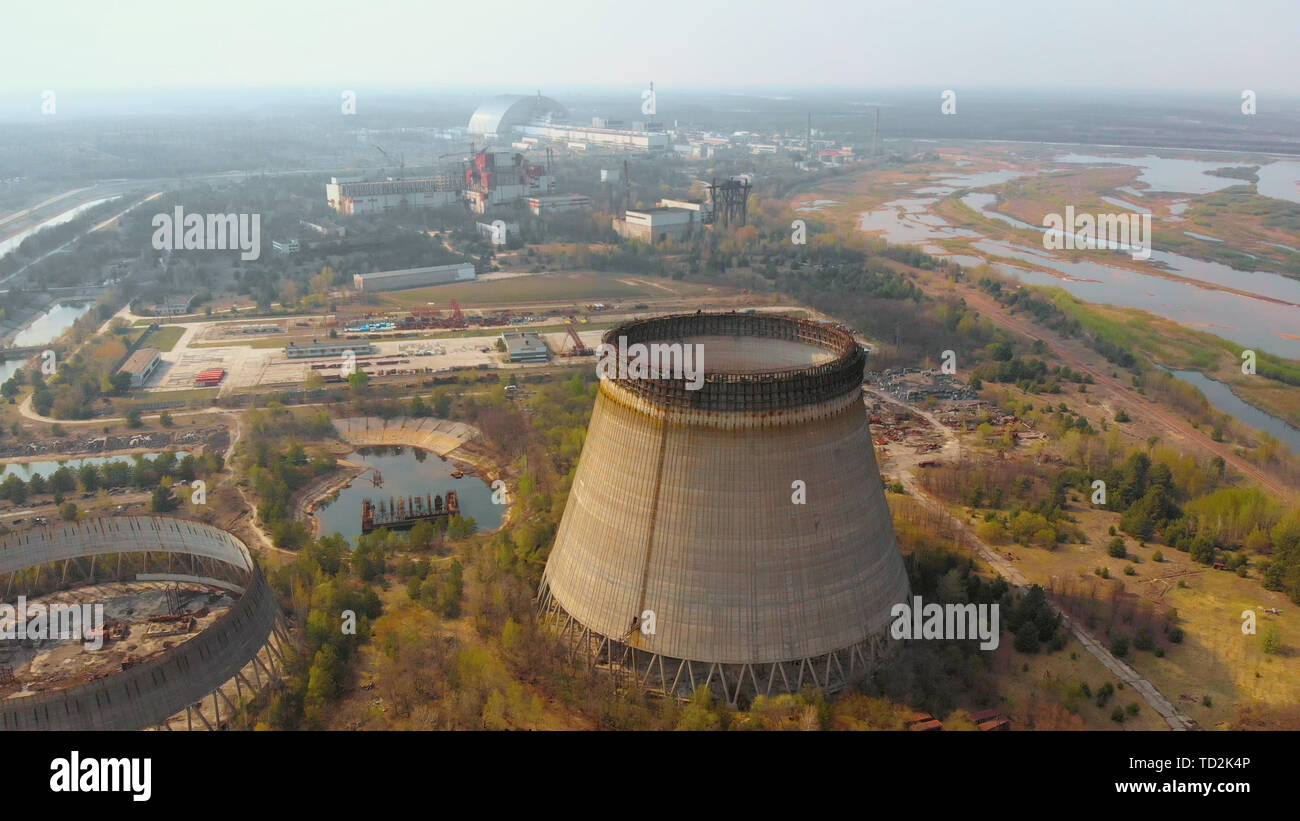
point(731, 532)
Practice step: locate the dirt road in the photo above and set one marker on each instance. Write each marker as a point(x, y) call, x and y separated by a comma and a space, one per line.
point(904, 467)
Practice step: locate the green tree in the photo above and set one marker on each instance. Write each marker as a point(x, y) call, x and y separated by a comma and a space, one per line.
point(162, 500)
point(13, 489)
point(89, 476)
point(323, 678)
point(1119, 645)
point(1027, 637)
point(422, 535)
point(700, 713)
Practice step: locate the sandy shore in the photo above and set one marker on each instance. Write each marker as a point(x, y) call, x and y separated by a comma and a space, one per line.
point(310, 497)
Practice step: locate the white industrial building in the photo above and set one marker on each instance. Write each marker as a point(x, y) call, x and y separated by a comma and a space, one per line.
point(703, 208)
point(141, 366)
point(525, 346)
point(584, 135)
point(481, 200)
point(412, 277)
point(318, 349)
point(542, 206)
point(325, 228)
point(372, 197)
point(653, 225)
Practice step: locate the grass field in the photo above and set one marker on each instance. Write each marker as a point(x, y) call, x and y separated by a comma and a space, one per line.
point(558, 287)
point(1215, 658)
point(165, 338)
point(1050, 676)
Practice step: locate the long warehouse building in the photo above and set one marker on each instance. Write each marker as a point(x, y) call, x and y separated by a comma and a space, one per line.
point(372, 197)
point(413, 277)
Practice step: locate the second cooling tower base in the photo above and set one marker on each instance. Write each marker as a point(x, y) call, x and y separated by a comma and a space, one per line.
point(735, 683)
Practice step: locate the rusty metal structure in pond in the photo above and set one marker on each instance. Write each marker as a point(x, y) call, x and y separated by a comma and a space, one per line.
point(401, 514)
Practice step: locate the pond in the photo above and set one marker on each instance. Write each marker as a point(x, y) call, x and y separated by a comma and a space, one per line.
point(44, 329)
point(1224, 400)
point(1246, 320)
point(47, 327)
point(1165, 174)
point(26, 470)
point(406, 472)
point(1241, 317)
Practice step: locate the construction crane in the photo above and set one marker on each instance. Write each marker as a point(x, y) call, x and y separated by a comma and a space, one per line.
point(457, 317)
point(460, 154)
point(401, 161)
point(576, 348)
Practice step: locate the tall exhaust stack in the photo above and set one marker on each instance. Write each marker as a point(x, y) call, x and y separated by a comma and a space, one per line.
point(734, 536)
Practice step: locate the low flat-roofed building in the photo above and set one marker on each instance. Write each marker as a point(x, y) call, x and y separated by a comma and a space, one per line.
point(413, 277)
point(525, 346)
point(581, 136)
point(331, 348)
point(170, 305)
point(702, 208)
point(325, 228)
point(541, 206)
point(141, 365)
point(654, 225)
point(372, 197)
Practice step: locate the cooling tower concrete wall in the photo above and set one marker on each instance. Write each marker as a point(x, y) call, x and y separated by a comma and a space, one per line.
point(149, 692)
point(438, 435)
point(687, 509)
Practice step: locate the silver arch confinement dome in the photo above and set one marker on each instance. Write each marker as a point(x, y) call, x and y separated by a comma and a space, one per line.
point(683, 558)
point(498, 115)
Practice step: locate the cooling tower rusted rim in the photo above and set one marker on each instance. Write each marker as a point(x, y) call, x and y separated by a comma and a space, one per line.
point(747, 391)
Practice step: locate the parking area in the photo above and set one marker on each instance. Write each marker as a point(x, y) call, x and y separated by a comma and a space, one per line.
point(248, 367)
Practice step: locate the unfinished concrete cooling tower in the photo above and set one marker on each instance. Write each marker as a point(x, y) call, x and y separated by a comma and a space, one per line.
point(683, 558)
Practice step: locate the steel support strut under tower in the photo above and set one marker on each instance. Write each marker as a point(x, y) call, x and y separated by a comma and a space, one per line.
point(662, 675)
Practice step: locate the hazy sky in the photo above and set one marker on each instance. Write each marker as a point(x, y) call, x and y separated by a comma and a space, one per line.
point(521, 45)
